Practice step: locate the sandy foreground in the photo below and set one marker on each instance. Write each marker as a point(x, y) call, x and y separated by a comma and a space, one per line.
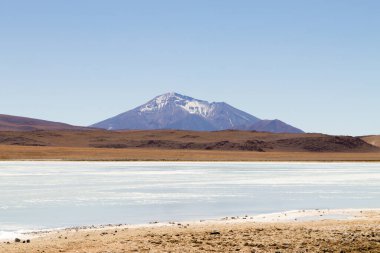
point(295, 231)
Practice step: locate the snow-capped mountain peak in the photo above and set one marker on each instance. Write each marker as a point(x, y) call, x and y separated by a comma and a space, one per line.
point(175, 111)
point(172, 99)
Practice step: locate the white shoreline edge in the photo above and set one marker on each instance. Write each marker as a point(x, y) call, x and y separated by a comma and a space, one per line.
point(291, 216)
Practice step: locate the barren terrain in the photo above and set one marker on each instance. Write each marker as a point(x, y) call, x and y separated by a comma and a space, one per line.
point(16, 123)
point(372, 139)
point(182, 146)
point(360, 233)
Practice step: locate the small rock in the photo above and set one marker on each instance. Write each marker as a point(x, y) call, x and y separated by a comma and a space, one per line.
point(17, 240)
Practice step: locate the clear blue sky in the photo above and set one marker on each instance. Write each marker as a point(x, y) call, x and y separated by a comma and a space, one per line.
point(314, 64)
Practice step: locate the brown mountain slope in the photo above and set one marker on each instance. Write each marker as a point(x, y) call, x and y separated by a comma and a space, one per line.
point(189, 140)
point(372, 139)
point(15, 123)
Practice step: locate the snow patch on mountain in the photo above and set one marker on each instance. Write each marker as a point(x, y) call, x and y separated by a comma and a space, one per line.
point(197, 107)
point(190, 105)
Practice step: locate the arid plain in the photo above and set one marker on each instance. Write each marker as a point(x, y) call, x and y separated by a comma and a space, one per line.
point(170, 145)
point(276, 233)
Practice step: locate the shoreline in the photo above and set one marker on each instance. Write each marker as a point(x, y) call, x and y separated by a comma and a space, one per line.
point(286, 218)
point(298, 215)
point(196, 161)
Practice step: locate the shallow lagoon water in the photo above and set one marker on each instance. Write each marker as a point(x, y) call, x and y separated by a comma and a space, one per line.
point(44, 195)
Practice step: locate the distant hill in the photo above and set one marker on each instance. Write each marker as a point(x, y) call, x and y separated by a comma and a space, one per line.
point(231, 140)
point(16, 123)
point(372, 139)
point(273, 126)
point(179, 112)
